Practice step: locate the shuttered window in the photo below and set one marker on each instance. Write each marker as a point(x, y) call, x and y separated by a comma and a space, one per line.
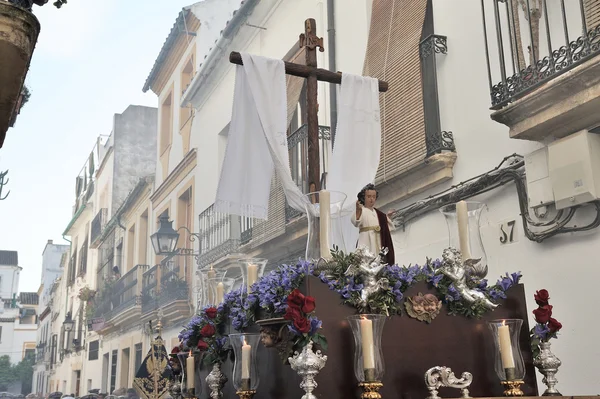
point(393, 55)
point(592, 13)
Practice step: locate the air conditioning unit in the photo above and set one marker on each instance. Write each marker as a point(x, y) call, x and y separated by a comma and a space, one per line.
point(574, 169)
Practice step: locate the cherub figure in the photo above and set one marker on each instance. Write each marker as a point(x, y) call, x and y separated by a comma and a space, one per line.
point(369, 269)
point(456, 271)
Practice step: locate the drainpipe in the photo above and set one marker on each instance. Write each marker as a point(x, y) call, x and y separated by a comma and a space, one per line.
point(332, 67)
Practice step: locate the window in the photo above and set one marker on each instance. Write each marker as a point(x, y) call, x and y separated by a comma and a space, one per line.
point(185, 215)
point(166, 123)
point(73, 268)
point(93, 349)
point(592, 13)
point(143, 239)
point(124, 367)
point(393, 55)
point(83, 258)
point(138, 357)
point(113, 371)
point(130, 249)
point(186, 113)
point(29, 354)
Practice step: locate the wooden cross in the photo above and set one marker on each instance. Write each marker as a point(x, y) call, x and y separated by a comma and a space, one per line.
point(310, 41)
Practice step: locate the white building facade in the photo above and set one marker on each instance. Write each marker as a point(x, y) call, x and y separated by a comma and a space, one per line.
point(437, 133)
point(53, 258)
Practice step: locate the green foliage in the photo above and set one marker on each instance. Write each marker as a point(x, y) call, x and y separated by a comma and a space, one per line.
point(7, 375)
point(23, 372)
point(59, 3)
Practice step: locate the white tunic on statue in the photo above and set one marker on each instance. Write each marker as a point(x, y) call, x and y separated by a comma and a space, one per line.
point(370, 239)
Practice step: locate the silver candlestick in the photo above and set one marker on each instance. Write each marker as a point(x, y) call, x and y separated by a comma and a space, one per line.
point(308, 364)
point(547, 363)
point(215, 381)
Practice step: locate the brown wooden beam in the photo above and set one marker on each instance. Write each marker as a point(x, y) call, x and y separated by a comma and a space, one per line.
point(304, 71)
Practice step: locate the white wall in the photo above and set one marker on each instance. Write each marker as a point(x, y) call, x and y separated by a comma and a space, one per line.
point(564, 265)
point(9, 281)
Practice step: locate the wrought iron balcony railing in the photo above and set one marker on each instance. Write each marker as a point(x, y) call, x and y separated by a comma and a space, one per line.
point(221, 234)
point(530, 42)
point(98, 224)
point(121, 296)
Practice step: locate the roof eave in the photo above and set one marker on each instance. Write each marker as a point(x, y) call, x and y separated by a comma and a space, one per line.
point(230, 31)
point(166, 47)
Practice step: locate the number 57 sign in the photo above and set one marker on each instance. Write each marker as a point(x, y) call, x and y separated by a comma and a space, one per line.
point(508, 232)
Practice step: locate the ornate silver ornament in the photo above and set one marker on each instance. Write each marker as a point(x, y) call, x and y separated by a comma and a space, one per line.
point(215, 381)
point(308, 364)
point(453, 267)
point(440, 376)
point(547, 363)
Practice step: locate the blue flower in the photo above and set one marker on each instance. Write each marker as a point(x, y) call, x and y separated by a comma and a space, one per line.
point(505, 283)
point(436, 279)
point(497, 294)
point(516, 277)
point(541, 331)
point(315, 324)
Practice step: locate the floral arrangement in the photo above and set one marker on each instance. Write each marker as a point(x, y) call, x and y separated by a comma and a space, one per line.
point(304, 324)
point(400, 278)
point(277, 295)
point(86, 294)
point(546, 326)
point(205, 332)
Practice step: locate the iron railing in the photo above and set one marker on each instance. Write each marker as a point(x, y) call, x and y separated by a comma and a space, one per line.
point(221, 234)
point(530, 42)
point(432, 44)
point(298, 154)
point(98, 224)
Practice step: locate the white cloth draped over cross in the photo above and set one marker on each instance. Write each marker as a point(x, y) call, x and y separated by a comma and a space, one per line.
point(257, 142)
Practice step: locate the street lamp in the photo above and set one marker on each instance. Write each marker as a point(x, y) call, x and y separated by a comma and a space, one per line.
point(164, 241)
point(69, 323)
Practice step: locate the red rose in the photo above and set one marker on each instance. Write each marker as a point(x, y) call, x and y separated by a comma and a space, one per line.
point(543, 314)
point(292, 313)
point(202, 345)
point(309, 304)
point(211, 313)
point(208, 331)
point(302, 325)
point(295, 299)
point(175, 350)
point(554, 325)
point(541, 297)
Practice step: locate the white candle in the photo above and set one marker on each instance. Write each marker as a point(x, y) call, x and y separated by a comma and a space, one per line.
point(252, 272)
point(368, 348)
point(324, 222)
point(210, 275)
point(246, 355)
point(191, 378)
point(220, 293)
point(506, 353)
point(462, 216)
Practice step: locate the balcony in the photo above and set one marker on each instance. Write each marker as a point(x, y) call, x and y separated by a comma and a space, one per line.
point(19, 30)
point(221, 234)
point(119, 303)
point(98, 224)
point(164, 287)
point(543, 65)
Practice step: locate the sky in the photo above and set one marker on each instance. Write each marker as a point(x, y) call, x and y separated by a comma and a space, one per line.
point(91, 61)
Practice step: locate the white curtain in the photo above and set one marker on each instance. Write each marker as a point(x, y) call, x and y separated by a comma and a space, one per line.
point(257, 141)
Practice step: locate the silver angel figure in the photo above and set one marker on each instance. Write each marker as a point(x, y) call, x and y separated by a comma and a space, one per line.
point(453, 267)
point(369, 268)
